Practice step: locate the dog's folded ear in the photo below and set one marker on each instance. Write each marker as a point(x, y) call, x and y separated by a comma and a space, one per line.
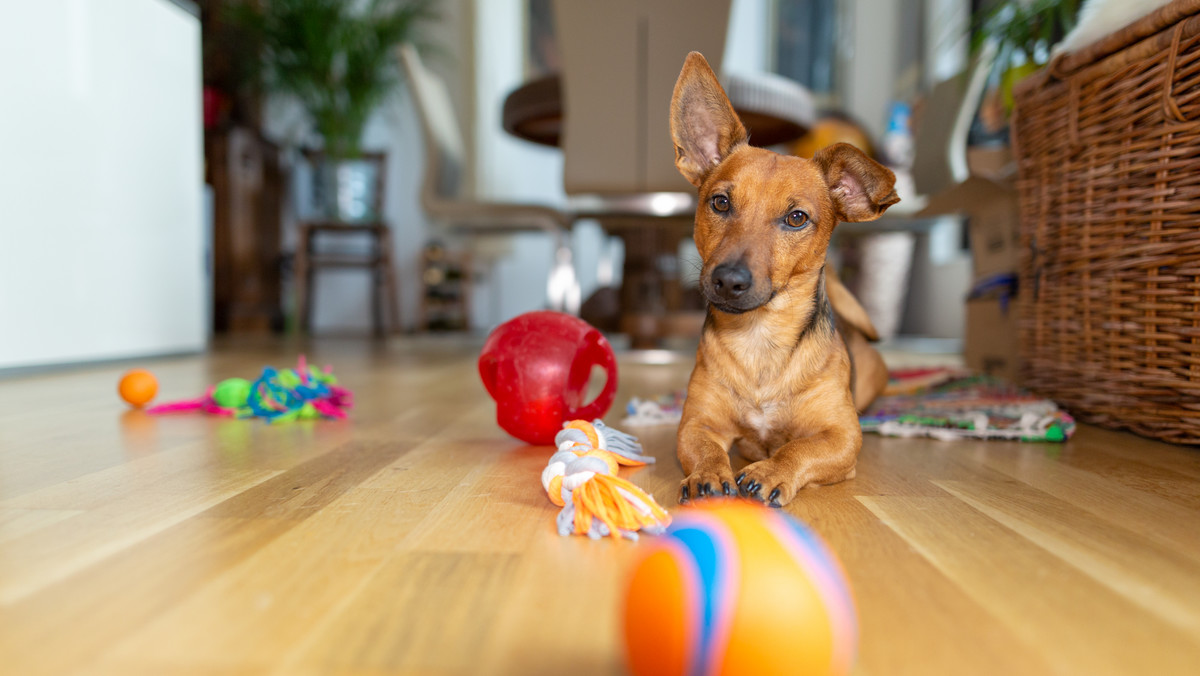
point(861, 188)
point(704, 126)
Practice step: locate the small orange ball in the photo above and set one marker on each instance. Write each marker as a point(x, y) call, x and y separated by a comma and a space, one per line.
point(138, 387)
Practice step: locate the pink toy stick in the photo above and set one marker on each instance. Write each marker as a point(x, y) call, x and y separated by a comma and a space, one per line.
point(204, 403)
point(302, 368)
point(327, 409)
point(211, 408)
point(341, 402)
point(178, 407)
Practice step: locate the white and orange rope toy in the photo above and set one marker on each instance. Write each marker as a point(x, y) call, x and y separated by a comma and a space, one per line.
point(582, 479)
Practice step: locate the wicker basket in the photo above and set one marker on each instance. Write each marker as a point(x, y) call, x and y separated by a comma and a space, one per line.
point(1108, 140)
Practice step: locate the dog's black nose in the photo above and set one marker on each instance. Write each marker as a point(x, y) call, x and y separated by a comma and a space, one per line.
point(730, 281)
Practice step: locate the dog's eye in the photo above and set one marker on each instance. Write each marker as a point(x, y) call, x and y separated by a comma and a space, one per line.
point(720, 203)
point(796, 219)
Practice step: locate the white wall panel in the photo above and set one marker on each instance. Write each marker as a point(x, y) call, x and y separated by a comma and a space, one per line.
point(102, 248)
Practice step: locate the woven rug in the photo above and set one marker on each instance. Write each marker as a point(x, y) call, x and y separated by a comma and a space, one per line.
point(940, 403)
point(951, 404)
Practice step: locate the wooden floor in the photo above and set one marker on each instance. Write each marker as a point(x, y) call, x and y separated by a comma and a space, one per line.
point(416, 539)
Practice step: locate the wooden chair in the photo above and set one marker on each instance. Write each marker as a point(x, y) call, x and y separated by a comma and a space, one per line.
point(446, 203)
point(377, 260)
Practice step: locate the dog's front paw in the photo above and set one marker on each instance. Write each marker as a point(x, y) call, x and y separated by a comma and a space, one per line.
point(706, 484)
point(767, 482)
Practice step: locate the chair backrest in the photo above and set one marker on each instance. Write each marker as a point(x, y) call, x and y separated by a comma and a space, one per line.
point(444, 149)
point(620, 62)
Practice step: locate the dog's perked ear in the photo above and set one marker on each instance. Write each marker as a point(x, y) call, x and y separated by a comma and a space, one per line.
point(704, 126)
point(861, 188)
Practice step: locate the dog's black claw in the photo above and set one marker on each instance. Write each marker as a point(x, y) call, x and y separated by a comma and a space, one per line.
point(774, 496)
point(774, 505)
point(727, 488)
point(684, 494)
point(740, 478)
point(706, 490)
point(754, 487)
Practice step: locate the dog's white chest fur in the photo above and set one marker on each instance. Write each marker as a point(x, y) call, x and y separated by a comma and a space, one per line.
point(763, 419)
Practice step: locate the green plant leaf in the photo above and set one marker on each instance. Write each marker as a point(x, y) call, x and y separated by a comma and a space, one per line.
point(335, 60)
point(1029, 28)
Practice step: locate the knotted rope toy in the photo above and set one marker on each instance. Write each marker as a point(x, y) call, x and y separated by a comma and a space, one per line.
point(582, 479)
point(302, 393)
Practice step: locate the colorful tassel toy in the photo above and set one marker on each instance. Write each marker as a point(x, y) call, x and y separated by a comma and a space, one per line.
point(303, 393)
point(582, 479)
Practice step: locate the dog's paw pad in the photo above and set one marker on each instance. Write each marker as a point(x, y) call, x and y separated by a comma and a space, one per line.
point(706, 484)
point(766, 484)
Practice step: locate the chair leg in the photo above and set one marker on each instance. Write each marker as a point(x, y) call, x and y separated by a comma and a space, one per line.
point(312, 298)
point(303, 279)
point(376, 272)
point(377, 324)
point(389, 280)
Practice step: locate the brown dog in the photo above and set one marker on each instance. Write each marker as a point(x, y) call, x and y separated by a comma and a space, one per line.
point(773, 372)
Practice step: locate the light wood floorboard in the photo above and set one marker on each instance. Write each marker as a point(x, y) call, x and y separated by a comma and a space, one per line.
point(415, 538)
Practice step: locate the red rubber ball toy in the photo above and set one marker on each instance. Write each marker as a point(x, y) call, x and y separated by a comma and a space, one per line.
point(537, 366)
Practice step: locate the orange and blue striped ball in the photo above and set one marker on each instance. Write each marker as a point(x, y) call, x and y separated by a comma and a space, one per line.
point(734, 588)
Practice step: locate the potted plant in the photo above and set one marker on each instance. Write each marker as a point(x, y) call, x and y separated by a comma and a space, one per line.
point(336, 59)
point(1023, 31)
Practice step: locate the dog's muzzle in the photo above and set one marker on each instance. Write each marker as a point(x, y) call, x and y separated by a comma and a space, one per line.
point(730, 288)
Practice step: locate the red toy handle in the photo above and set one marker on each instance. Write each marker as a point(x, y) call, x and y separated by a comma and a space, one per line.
point(488, 365)
point(597, 352)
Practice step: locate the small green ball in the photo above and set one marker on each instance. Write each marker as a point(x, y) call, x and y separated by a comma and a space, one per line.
point(232, 393)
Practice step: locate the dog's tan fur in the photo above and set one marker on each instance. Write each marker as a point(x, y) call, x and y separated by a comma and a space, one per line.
point(773, 373)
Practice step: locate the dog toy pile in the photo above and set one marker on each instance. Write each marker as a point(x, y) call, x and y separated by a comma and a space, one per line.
point(302, 393)
point(582, 479)
point(954, 406)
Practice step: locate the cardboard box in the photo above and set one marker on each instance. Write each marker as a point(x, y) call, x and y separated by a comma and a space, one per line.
point(991, 344)
point(994, 162)
point(990, 208)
